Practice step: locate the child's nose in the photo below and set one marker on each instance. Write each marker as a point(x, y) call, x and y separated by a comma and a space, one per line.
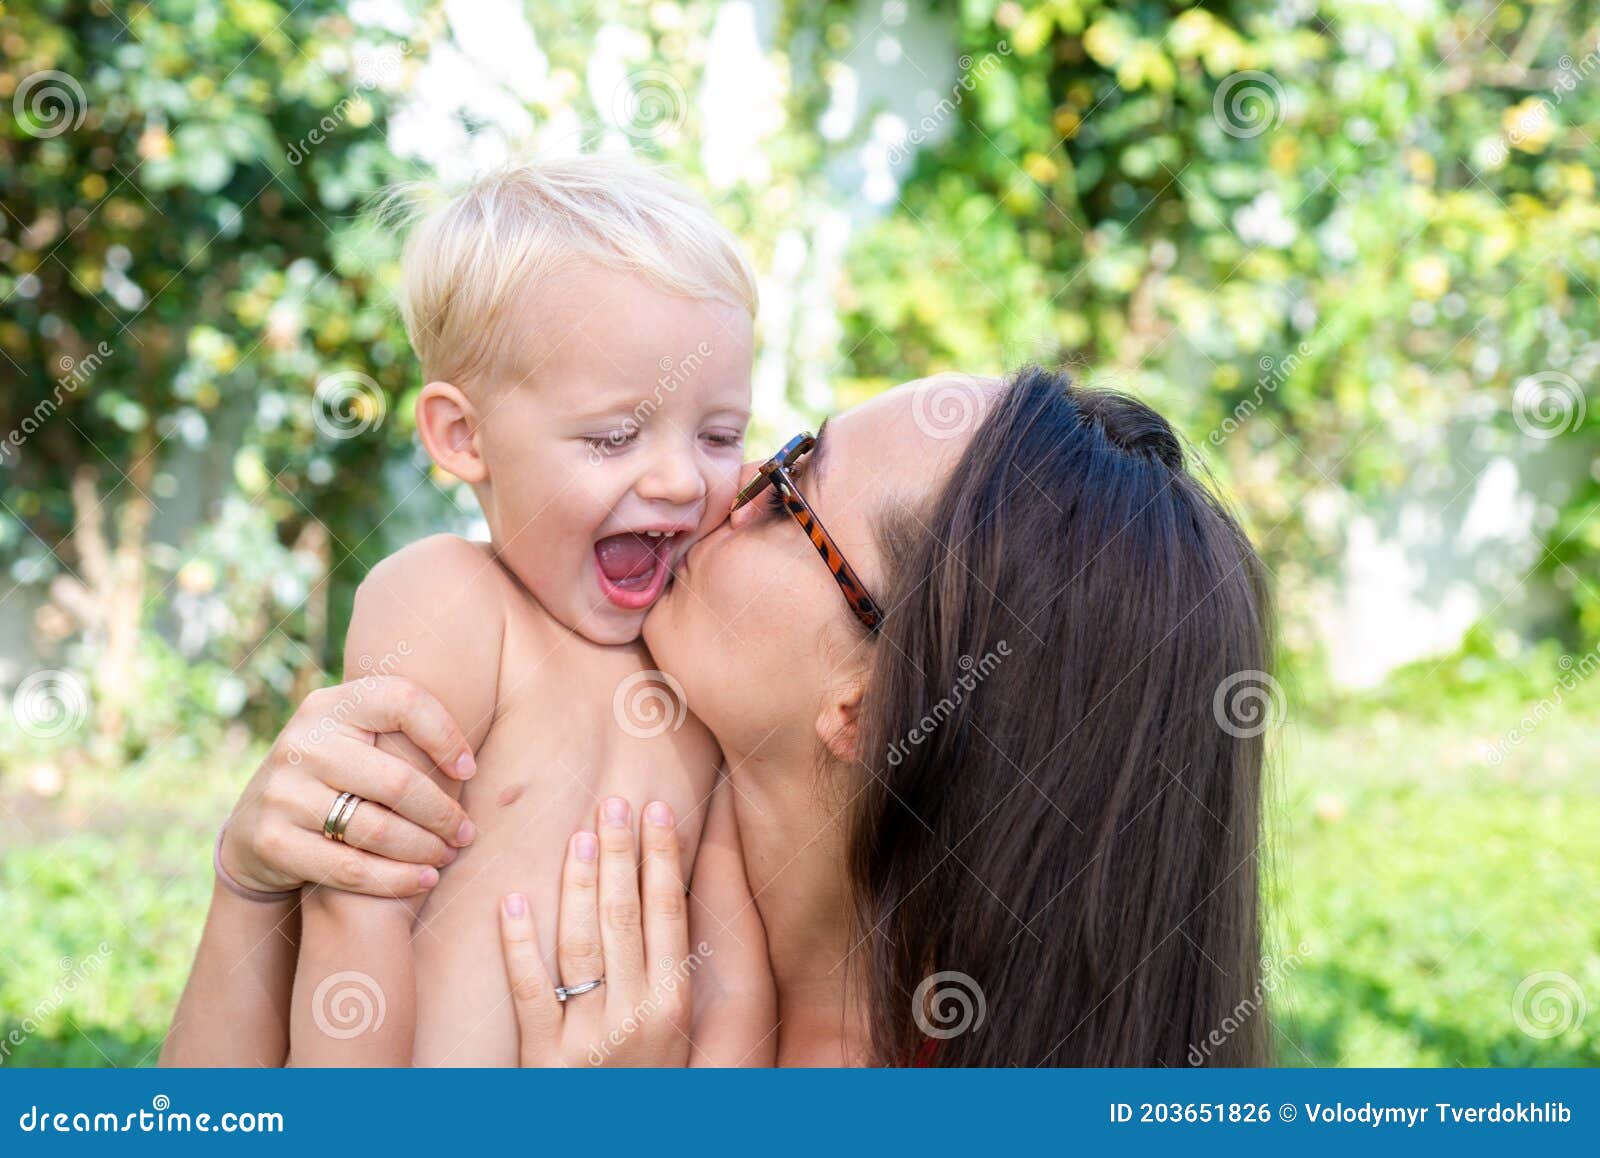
point(673, 478)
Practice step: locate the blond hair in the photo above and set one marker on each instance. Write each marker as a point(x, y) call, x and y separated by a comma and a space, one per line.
point(465, 260)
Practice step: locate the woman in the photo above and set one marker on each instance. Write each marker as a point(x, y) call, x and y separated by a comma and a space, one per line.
point(992, 810)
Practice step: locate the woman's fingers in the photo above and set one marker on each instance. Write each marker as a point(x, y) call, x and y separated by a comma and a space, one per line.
point(621, 936)
point(395, 704)
point(344, 764)
point(377, 830)
point(578, 953)
point(341, 867)
point(666, 913)
point(532, 994)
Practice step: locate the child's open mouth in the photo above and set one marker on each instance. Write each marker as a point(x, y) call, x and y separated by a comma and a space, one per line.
point(634, 566)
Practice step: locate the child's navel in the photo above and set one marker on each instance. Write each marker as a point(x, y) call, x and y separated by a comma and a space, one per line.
point(510, 794)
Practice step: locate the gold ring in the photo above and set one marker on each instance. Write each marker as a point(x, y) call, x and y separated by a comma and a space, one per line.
point(343, 822)
point(339, 802)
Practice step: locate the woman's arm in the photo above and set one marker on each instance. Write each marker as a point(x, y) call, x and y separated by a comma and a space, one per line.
point(234, 1009)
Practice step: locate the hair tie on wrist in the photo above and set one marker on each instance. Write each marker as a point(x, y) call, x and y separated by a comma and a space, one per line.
point(257, 895)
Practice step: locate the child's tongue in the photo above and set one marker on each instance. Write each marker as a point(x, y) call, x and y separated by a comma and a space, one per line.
point(625, 557)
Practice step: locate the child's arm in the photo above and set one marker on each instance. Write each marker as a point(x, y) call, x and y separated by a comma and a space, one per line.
point(735, 1000)
point(433, 613)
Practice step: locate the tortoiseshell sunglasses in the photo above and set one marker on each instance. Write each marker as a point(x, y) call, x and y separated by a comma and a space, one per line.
point(775, 472)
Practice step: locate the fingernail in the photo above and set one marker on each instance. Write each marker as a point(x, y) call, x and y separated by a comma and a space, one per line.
point(428, 877)
point(450, 855)
point(465, 765)
point(616, 811)
point(516, 904)
point(659, 813)
point(466, 832)
point(586, 846)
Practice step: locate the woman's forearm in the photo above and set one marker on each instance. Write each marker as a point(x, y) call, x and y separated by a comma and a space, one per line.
point(235, 1008)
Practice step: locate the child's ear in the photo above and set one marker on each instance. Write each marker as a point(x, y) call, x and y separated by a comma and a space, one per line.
point(448, 424)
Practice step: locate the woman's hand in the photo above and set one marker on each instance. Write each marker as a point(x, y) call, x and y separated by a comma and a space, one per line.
point(621, 920)
point(406, 826)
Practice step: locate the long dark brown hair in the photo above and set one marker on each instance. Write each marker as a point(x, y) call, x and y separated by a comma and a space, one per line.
point(1054, 857)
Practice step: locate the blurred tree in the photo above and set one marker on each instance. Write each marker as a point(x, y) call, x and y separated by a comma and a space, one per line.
point(1329, 238)
point(175, 266)
point(1326, 237)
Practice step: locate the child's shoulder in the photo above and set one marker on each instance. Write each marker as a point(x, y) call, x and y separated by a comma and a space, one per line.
point(435, 611)
point(437, 558)
point(442, 575)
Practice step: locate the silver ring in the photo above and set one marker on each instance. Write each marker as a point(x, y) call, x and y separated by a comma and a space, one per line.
point(563, 992)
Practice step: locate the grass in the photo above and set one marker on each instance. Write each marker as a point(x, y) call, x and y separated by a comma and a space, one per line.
point(1414, 889)
point(1428, 886)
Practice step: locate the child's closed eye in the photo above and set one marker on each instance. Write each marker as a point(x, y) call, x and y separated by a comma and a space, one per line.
point(724, 439)
point(612, 439)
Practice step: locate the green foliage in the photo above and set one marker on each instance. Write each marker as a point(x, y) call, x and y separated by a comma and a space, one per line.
point(1322, 237)
point(180, 273)
point(103, 891)
point(1325, 239)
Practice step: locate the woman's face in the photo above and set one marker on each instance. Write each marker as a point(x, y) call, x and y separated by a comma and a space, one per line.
point(754, 627)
